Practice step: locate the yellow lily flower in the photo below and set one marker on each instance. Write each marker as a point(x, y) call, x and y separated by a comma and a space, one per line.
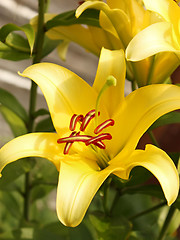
point(123, 20)
point(159, 37)
point(97, 131)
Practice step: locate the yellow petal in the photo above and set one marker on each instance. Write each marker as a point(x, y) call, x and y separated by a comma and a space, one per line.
point(156, 38)
point(165, 65)
point(71, 33)
point(159, 164)
point(114, 21)
point(111, 63)
point(62, 49)
point(104, 38)
point(65, 92)
point(138, 111)
point(134, 10)
point(168, 9)
point(32, 145)
point(79, 180)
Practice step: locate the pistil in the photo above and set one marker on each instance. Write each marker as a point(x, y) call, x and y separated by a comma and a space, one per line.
point(110, 81)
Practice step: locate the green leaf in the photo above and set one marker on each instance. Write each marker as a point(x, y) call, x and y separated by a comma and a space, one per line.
point(49, 45)
point(40, 191)
point(41, 112)
point(11, 204)
point(12, 54)
point(27, 29)
point(24, 233)
point(16, 124)
point(13, 171)
point(9, 101)
point(18, 42)
point(81, 232)
point(55, 231)
point(88, 17)
point(149, 189)
point(169, 118)
point(45, 178)
point(111, 228)
point(45, 125)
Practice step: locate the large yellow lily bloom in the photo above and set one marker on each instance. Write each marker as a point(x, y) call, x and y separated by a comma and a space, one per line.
point(159, 37)
point(85, 157)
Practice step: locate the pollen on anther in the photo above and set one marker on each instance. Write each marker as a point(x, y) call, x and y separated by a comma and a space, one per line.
point(100, 137)
point(105, 124)
point(74, 119)
point(89, 116)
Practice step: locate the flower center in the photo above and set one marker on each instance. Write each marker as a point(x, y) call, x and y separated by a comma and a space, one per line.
point(84, 121)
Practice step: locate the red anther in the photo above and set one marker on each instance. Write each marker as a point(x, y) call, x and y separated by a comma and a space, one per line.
point(72, 138)
point(69, 144)
point(75, 118)
point(105, 124)
point(100, 137)
point(100, 144)
point(90, 115)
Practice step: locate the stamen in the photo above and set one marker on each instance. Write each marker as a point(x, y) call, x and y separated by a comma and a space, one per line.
point(102, 136)
point(89, 116)
point(100, 144)
point(105, 124)
point(75, 118)
point(76, 138)
point(69, 144)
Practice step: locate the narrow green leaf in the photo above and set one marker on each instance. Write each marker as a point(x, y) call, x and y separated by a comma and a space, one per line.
point(18, 42)
point(30, 34)
point(45, 125)
point(12, 54)
point(11, 102)
point(27, 29)
point(11, 204)
point(13, 171)
point(41, 112)
point(81, 232)
point(16, 124)
point(169, 118)
point(49, 46)
point(40, 191)
point(88, 17)
point(111, 228)
point(55, 231)
point(24, 233)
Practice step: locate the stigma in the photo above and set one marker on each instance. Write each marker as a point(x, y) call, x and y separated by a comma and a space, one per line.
point(79, 136)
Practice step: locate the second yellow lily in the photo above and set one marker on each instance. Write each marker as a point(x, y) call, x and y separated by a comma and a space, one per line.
point(122, 20)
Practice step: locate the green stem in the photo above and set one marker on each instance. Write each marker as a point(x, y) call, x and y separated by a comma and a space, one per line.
point(133, 85)
point(26, 197)
point(166, 224)
point(105, 191)
point(147, 211)
point(115, 200)
point(153, 139)
point(151, 69)
point(33, 96)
